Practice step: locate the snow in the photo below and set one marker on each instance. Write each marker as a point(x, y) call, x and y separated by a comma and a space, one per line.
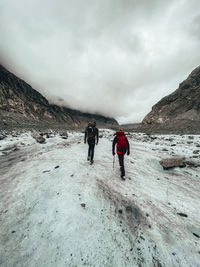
point(124, 223)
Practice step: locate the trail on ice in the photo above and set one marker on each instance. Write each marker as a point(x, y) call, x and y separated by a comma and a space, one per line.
point(58, 210)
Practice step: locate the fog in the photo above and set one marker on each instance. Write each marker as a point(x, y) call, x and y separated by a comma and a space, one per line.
point(113, 57)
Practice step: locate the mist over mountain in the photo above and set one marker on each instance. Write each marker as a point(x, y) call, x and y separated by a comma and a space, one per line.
point(21, 105)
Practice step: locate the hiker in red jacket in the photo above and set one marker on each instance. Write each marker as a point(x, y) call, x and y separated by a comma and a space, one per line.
point(122, 147)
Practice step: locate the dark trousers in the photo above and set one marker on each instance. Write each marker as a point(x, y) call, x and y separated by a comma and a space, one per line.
point(91, 149)
point(121, 163)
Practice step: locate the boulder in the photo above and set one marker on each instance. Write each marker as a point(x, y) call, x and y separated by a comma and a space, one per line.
point(40, 139)
point(64, 135)
point(173, 162)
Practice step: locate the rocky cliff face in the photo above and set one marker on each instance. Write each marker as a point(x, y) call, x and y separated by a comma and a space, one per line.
point(179, 111)
point(20, 103)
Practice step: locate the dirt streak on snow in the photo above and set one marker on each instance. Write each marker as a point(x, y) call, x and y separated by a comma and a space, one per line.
point(124, 223)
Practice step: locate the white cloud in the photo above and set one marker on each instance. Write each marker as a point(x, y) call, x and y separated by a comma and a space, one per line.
point(114, 57)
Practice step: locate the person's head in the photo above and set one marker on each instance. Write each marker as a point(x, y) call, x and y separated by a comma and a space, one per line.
point(94, 122)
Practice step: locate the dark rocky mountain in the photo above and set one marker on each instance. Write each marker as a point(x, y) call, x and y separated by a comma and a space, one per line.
point(130, 126)
point(178, 112)
point(21, 105)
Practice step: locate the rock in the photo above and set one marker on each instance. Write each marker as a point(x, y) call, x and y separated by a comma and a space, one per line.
point(196, 235)
point(40, 139)
point(173, 162)
point(164, 149)
point(2, 137)
point(193, 163)
point(56, 167)
point(83, 205)
point(173, 145)
point(64, 135)
point(196, 151)
point(182, 214)
point(191, 137)
point(189, 142)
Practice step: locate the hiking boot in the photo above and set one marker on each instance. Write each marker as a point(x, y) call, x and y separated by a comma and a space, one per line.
point(123, 177)
point(88, 158)
point(92, 161)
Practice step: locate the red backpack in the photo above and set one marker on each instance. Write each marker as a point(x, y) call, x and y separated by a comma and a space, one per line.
point(121, 139)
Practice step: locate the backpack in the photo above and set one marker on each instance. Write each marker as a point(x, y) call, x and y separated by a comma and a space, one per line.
point(121, 141)
point(91, 132)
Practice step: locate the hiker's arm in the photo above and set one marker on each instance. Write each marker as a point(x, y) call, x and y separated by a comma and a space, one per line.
point(85, 137)
point(128, 148)
point(113, 145)
point(97, 137)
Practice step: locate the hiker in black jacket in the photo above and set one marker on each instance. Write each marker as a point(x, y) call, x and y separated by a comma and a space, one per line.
point(92, 137)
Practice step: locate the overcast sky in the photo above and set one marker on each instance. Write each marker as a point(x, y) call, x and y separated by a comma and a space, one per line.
point(114, 57)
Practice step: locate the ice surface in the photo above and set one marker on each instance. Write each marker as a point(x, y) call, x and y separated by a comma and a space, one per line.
point(124, 223)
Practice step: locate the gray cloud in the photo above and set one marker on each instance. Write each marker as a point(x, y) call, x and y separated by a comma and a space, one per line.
point(114, 57)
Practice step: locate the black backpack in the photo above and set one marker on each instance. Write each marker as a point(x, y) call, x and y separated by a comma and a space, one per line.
point(91, 132)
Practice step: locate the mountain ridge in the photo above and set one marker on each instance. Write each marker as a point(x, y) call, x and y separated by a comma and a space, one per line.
point(178, 111)
point(20, 101)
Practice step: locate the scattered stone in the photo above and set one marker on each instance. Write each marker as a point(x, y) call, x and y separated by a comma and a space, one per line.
point(196, 151)
point(101, 136)
point(189, 142)
point(197, 145)
point(58, 193)
point(147, 214)
point(64, 135)
point(164, 149)
point(72, 175)
point(173, 253)
point(192, 163)
point(191, 137)
point(182, 214)
point(40, 139)
point(56, 167)
point(173, 162)
point(173, 145)
point(120, 211)
point(196, 235)
point(2, 137)
point(83, 205)
point(46, 171)
point(13, 232)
